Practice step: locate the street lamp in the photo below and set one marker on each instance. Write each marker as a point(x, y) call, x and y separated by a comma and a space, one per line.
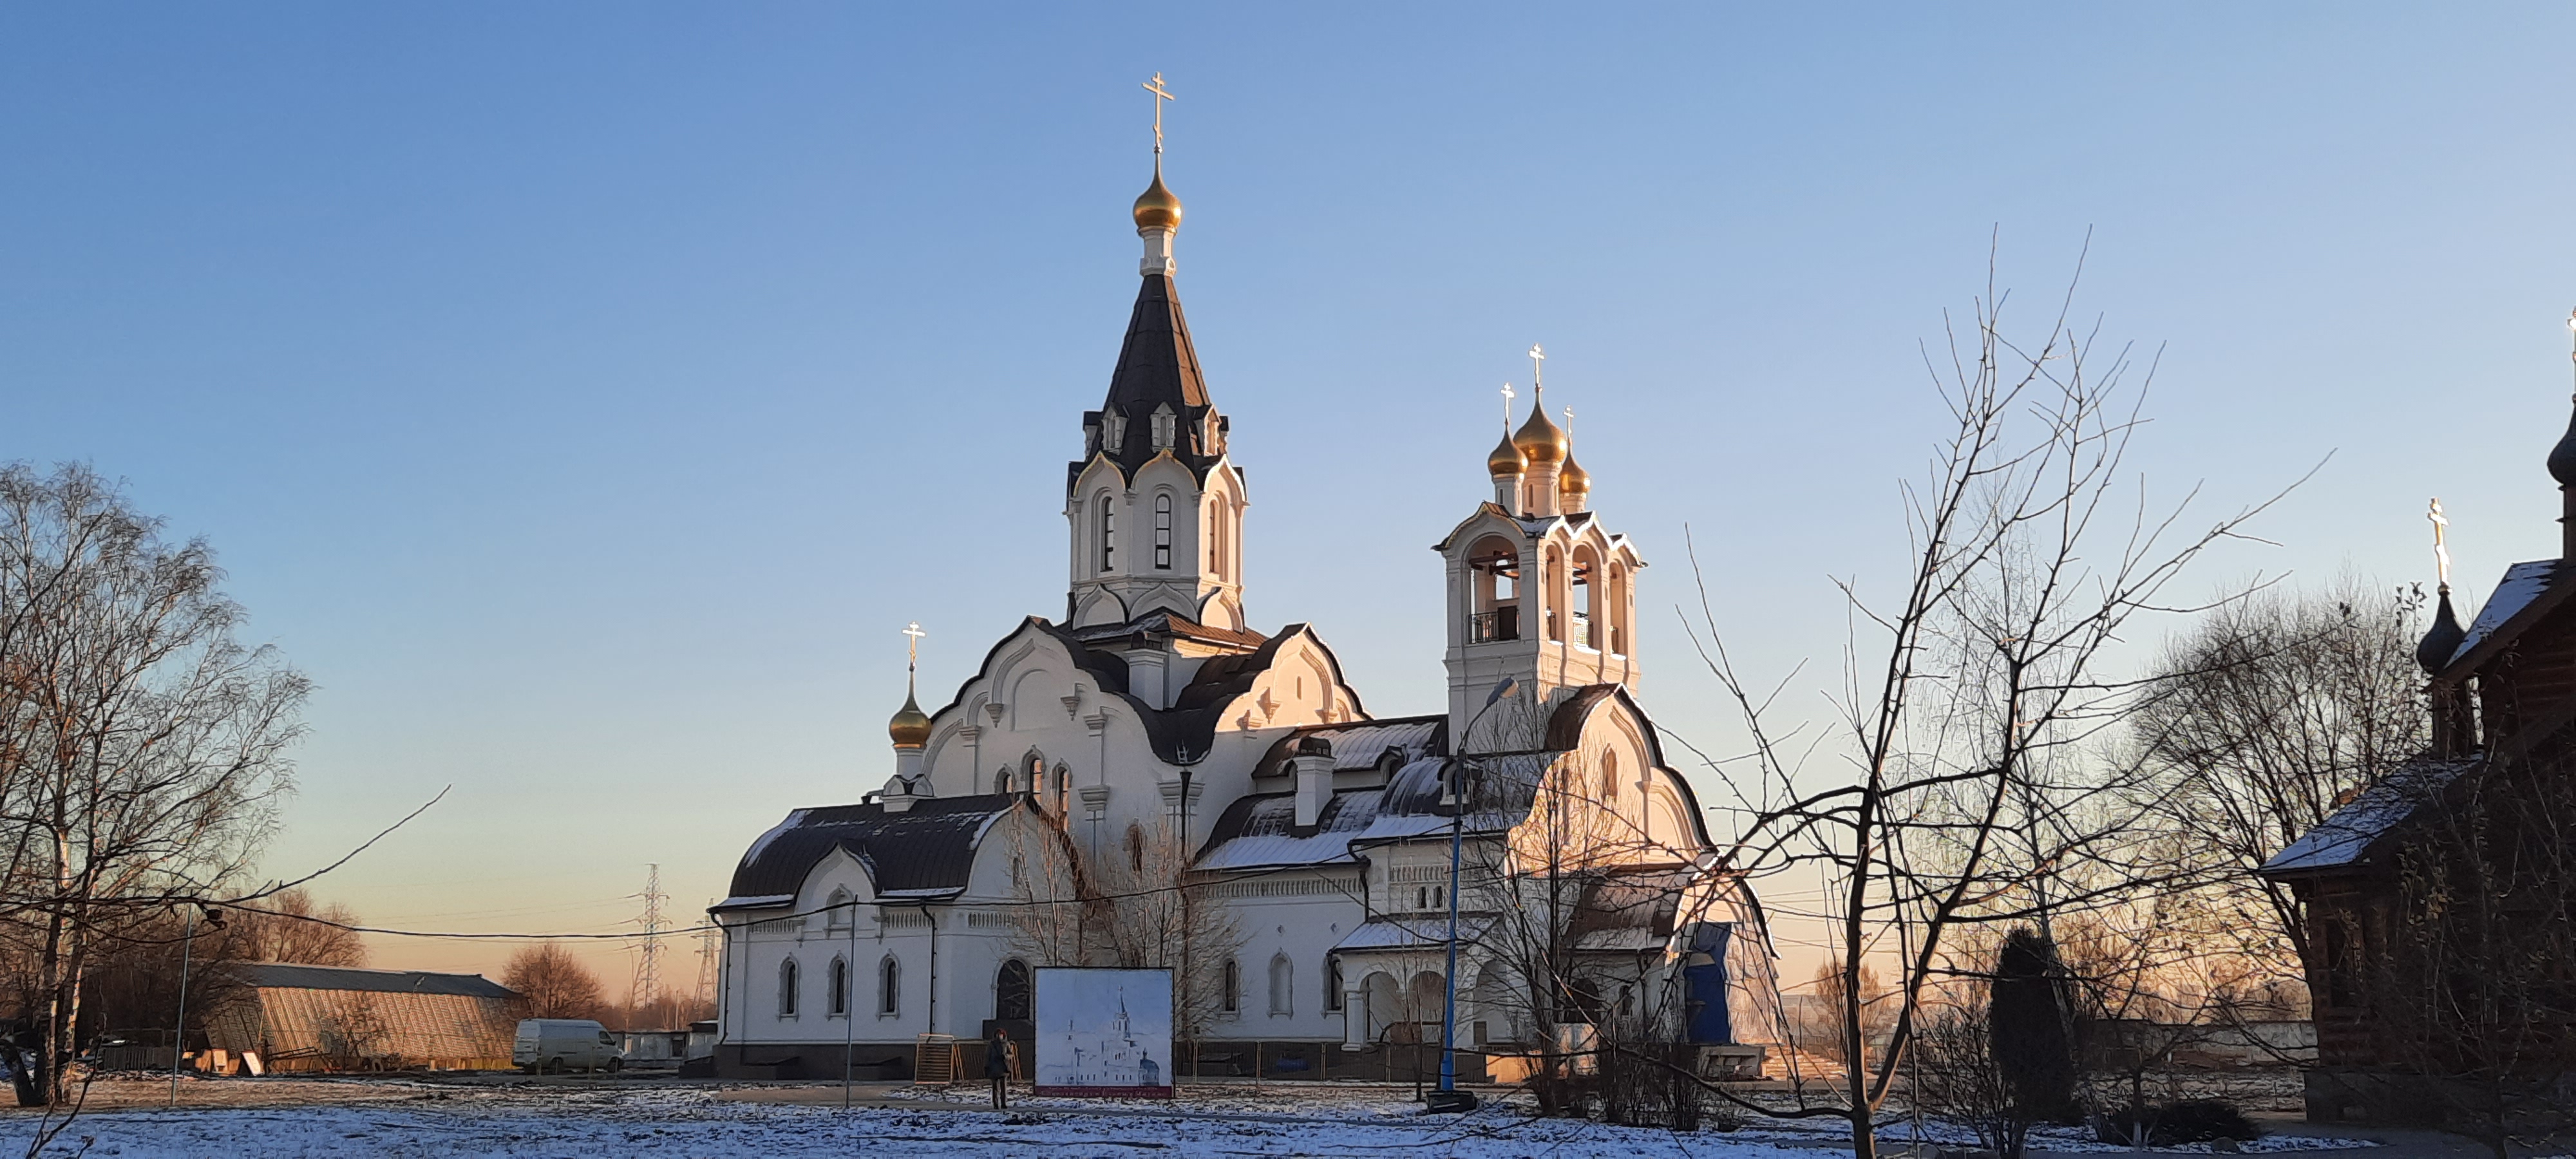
point(1449, 1099)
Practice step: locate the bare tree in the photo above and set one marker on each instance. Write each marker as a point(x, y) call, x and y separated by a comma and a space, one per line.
point(556, 984)
point(292, 927)
point(142, 747)
point(1955, 1074)
point(2271, 713)
point(1975, 705)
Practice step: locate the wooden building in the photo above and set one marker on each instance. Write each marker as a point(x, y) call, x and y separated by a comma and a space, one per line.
point(2424, 896)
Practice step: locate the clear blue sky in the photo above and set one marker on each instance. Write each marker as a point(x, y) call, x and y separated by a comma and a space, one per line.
point(585, 394)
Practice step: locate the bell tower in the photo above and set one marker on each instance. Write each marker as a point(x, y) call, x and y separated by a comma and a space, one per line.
point(1155, 507)
point(1539, 593)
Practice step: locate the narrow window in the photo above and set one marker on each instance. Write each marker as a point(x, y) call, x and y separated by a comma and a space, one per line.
point(889, 979)
point(1162, 533)
point(1231, 1001)
point(787, 988)
point(836, 915)
point(1332, 982)
point(840, 988)
point(1609, 776)
point(1108, 532)
point(1283, 988)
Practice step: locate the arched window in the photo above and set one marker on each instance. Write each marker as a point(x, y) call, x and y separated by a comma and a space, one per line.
point(1551, 574)
point(840, 988)
point(1283, 985)
point(889, 986)
point(1063, 788)
point(1163, 532)
point(1135, 847)
point(787, 988)
point(838, 911)
point(1589, 624)
point(1231, 1000)
point(1108, 531)
point(1496, 573)
point(1216, 539)
point(1609, 776)
point(1002, 779)
point(1011, 992)
point(1332, 982)
point(1618, 610)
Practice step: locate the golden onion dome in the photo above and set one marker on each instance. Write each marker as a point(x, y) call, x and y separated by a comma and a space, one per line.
point(1507, 460)
point(1573, 479)
point(1544, 442)
point(910, 727)
point(1156, 207)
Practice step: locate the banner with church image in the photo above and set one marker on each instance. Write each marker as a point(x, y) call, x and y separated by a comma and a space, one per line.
point(1104, 1033)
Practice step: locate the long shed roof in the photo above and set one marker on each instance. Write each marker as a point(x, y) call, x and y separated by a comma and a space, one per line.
point(296, 976)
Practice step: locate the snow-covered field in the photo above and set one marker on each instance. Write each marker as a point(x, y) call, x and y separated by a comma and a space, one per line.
point(719, 1124)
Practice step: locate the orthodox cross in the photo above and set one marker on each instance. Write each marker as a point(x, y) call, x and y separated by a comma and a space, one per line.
point(1161, 94)
point(2441, 554)
point(912, 645)
point(1569, 422)
point(1538, 358)
point(1508, 396)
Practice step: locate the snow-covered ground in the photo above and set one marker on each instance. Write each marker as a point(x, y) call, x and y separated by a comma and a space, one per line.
point(718, 1124)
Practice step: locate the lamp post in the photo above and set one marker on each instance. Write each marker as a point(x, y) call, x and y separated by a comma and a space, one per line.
point(1449, 1099)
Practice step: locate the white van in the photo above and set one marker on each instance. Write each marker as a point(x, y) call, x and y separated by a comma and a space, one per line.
point(556, 1045)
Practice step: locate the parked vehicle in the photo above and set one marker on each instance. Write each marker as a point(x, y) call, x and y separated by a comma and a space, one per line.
point(556, 1045)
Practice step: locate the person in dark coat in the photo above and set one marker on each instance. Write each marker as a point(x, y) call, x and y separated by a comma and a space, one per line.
point(997, 1065)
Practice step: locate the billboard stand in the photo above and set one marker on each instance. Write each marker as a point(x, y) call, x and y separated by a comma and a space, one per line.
point(1104, 1033)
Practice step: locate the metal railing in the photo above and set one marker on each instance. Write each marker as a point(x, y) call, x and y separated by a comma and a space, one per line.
point(1499, 624)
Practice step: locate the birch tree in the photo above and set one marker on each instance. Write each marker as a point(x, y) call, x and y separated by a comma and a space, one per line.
point(143, 748)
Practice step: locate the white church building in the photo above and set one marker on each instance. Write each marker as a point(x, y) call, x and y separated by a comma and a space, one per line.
point(1152, 781)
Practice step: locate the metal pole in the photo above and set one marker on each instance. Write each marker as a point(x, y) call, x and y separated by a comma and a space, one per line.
point(1450, 1098)
point(1449, 1003)
point(845, 992)
point(179, 1037)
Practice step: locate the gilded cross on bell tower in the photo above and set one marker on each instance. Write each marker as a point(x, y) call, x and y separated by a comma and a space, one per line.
point(1161, 94)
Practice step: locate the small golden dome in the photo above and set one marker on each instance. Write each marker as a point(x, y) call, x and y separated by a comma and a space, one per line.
point(1544, 442)
point(1573, 479)
point(1507, 460)
point(1156, 207)
point(910, 727)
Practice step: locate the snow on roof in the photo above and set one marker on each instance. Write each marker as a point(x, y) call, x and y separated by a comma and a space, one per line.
point(1267, 834)
point(2343, 837)
point(1359, 745)
point(756, 901)
point(2522, 583)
